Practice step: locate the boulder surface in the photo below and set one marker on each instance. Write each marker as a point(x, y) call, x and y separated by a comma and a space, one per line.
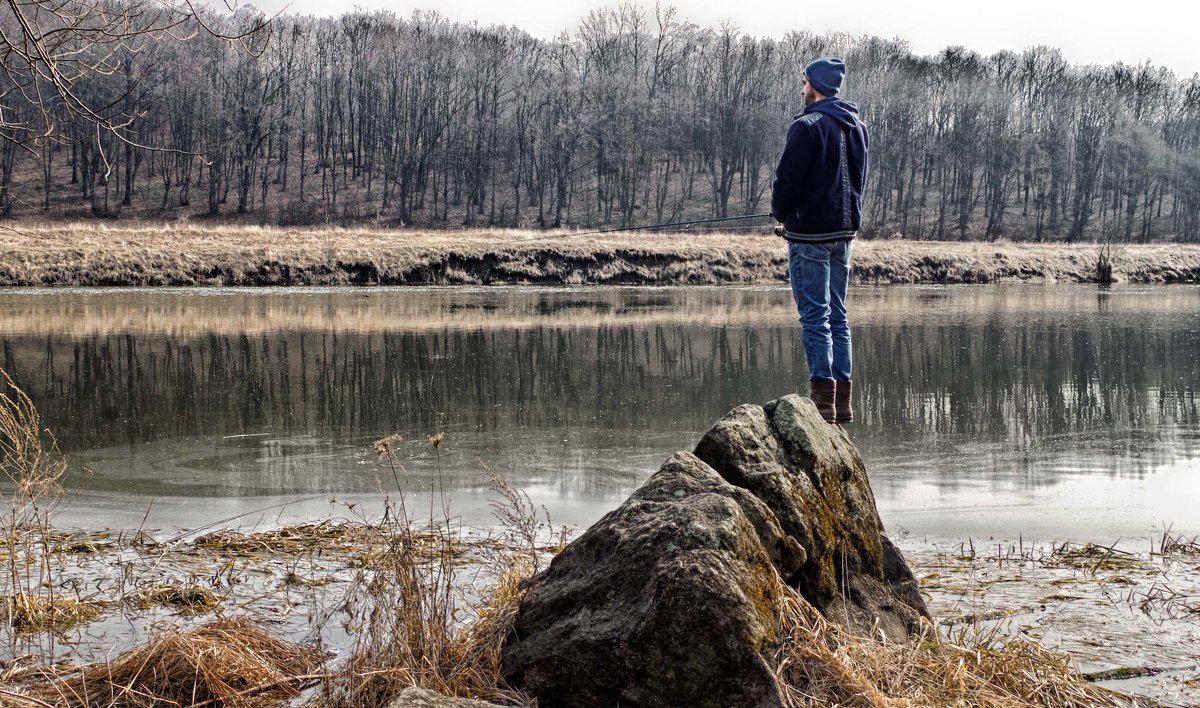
point(673, 598)
point(814, 481)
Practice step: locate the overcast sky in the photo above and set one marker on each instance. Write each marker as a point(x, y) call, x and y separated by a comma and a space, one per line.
point(1088, 32)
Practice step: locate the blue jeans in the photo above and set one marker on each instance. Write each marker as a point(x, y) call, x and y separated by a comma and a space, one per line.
point(820, 273)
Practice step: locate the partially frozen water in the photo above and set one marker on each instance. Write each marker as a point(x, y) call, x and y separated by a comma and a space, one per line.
point(1041, 411)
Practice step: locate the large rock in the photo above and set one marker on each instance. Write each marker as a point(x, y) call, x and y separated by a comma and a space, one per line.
point(672, 599)
point(669, 600)
point(813, 479)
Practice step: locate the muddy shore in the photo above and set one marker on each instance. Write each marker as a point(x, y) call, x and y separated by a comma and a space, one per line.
point(91, 255)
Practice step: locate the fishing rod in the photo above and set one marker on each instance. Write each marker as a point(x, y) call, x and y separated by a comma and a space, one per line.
point(676, 223)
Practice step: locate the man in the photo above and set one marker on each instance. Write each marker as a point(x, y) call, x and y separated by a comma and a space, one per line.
point(817, 197)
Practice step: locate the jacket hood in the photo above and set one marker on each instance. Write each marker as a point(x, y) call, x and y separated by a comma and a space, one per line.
point(844, 112)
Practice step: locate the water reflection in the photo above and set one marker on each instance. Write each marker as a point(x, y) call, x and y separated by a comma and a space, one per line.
point(968, 397)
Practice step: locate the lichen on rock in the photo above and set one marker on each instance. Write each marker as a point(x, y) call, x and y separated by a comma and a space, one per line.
point(815, 482)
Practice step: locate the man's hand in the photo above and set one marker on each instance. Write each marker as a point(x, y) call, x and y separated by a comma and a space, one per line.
point(779, 229)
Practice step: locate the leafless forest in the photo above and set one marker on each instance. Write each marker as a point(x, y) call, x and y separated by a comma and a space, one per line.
point(638, 116)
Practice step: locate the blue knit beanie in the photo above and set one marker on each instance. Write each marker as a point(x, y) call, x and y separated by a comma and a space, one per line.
point(825, 75)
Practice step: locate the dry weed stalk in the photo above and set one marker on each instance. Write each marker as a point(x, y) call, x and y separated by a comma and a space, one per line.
point(1178, 545)
point(34, 467)
point(414, 626)
point(230, 662)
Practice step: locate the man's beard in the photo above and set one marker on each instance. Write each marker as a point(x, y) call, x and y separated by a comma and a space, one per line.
point(810, 98)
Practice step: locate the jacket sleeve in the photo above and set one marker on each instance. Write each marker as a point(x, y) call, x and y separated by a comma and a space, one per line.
point(866, 157)
point(792, 171)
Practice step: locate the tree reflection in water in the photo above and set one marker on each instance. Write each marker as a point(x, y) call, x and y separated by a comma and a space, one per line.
point(589, 389)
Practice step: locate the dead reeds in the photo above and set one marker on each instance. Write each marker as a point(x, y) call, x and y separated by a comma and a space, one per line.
point(185, 599)
point(1178, 544)
point(230, 662)
point(28, 613)
point(414, 621)
point(34, 467)
point(29, 455)
point(1091, 557)
point(820, 664)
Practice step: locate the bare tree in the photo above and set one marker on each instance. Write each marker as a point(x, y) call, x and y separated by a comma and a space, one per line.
point(128, 105)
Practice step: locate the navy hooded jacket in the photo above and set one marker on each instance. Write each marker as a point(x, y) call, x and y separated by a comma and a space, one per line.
point(819, 183)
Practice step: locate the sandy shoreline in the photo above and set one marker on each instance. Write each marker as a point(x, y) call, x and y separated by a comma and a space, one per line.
point(101, 255)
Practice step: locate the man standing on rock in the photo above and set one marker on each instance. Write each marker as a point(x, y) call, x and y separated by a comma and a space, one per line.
point(817, 198)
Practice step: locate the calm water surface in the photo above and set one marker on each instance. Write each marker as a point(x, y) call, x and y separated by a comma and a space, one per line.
point(1017, 410)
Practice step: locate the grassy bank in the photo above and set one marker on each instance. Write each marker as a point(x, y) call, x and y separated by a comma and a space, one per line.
point(93, 255)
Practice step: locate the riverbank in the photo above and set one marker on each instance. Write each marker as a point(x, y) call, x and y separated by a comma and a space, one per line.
point(97, 255)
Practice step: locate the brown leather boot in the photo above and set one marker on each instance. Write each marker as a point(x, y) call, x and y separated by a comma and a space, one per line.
point(822, 393)
point(842, 412)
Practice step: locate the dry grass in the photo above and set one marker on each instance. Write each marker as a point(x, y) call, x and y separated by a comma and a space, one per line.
point(1178, 545)
point(289, 540)
point(368, 541)
point(410, 644)
point(230, 662)
point(186, 599)
point(30, 614)
point(180, 254)
point(1091, 557)
point(29, 456)
point(820, 664)
point(415, 625)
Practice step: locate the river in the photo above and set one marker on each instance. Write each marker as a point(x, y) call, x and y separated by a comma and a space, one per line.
point(1032, 411)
